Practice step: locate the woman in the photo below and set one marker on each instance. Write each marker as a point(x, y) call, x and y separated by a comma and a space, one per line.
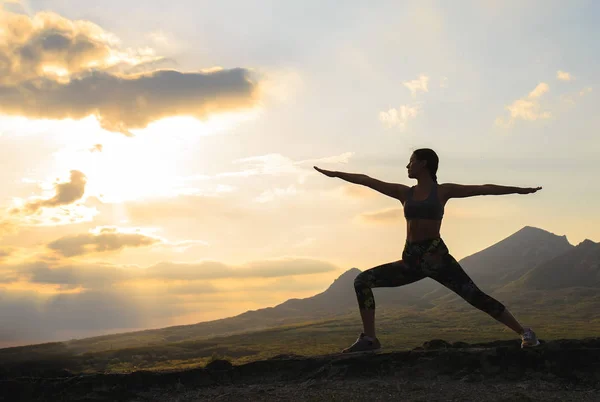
point(425, 254)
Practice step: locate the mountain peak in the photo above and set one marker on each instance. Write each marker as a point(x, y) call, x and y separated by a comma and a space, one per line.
point(588, 243)
point(513, 256)
point(533, 231)
point(344, 281)
point(352, 272)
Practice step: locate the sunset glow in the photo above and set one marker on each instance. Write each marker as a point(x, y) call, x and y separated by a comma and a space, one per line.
point(161, 167)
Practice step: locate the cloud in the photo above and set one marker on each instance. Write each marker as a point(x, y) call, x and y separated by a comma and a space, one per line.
point(191, 288)
point(399, 117)
point(159, 37)
point(571, 98)
point(539, 90)
point(278, 165)
point(341, 158)
point(390, 215)
point(358, 191)
point(98, 276)
point(419, 84)
point(65, 276)
point(270, 164)
point(272, 194)
point(89, 276)
point(209, 270)
point(106, 240)
point(6, 252)
point(527, 108)
point(563, 76)
point(124, 103)
point(91, 299)
point(181, 246)
point(8, 5)
point(190, 209)
point(56, 68)
point(66, 193)
point(7, 227)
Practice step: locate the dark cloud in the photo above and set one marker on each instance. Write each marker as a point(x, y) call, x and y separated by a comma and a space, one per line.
point(52, 67)
point(123, 103)
point(38, 46)
point(107, 240)
point(66, 193)
point(69, 276)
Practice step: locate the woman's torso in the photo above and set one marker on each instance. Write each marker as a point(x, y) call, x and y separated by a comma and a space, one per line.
point(427, 202)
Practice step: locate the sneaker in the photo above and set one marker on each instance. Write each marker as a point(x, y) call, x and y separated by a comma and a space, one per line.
point(363, 344)
point(528, 339)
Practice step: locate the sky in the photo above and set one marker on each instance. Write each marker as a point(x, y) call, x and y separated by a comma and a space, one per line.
point(157, 157)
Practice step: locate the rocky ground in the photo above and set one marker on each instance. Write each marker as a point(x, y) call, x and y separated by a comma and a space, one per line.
point(561, 370)
point(386, 389)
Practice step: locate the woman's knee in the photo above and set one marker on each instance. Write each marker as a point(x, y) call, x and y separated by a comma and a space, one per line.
point(362, 281)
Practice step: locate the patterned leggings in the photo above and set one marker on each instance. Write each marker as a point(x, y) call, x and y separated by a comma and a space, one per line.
point(431, 259)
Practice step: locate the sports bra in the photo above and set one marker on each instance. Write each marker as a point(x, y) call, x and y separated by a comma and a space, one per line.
point(430, 208)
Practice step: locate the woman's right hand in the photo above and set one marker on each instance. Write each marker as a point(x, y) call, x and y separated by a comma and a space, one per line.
point(327, 173)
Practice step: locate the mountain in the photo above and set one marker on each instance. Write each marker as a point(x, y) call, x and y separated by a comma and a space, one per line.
point(513, 257)
point(579, 267)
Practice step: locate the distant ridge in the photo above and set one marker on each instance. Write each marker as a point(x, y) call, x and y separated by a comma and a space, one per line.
point(579, 267)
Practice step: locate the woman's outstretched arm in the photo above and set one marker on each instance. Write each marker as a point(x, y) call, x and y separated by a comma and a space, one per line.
point(461, 191)
point(394, 190)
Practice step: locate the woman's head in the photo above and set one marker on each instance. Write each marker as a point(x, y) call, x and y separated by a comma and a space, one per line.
point(423, 161)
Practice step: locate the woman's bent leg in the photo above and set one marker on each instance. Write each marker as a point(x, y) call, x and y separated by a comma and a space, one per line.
point(392, 274)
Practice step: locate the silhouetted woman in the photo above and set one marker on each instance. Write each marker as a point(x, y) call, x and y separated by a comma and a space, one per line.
point(425, 254)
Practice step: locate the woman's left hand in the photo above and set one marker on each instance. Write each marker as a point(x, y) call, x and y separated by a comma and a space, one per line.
point(529, 190)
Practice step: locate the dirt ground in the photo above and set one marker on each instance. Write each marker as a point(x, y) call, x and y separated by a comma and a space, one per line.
point(385, 389)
